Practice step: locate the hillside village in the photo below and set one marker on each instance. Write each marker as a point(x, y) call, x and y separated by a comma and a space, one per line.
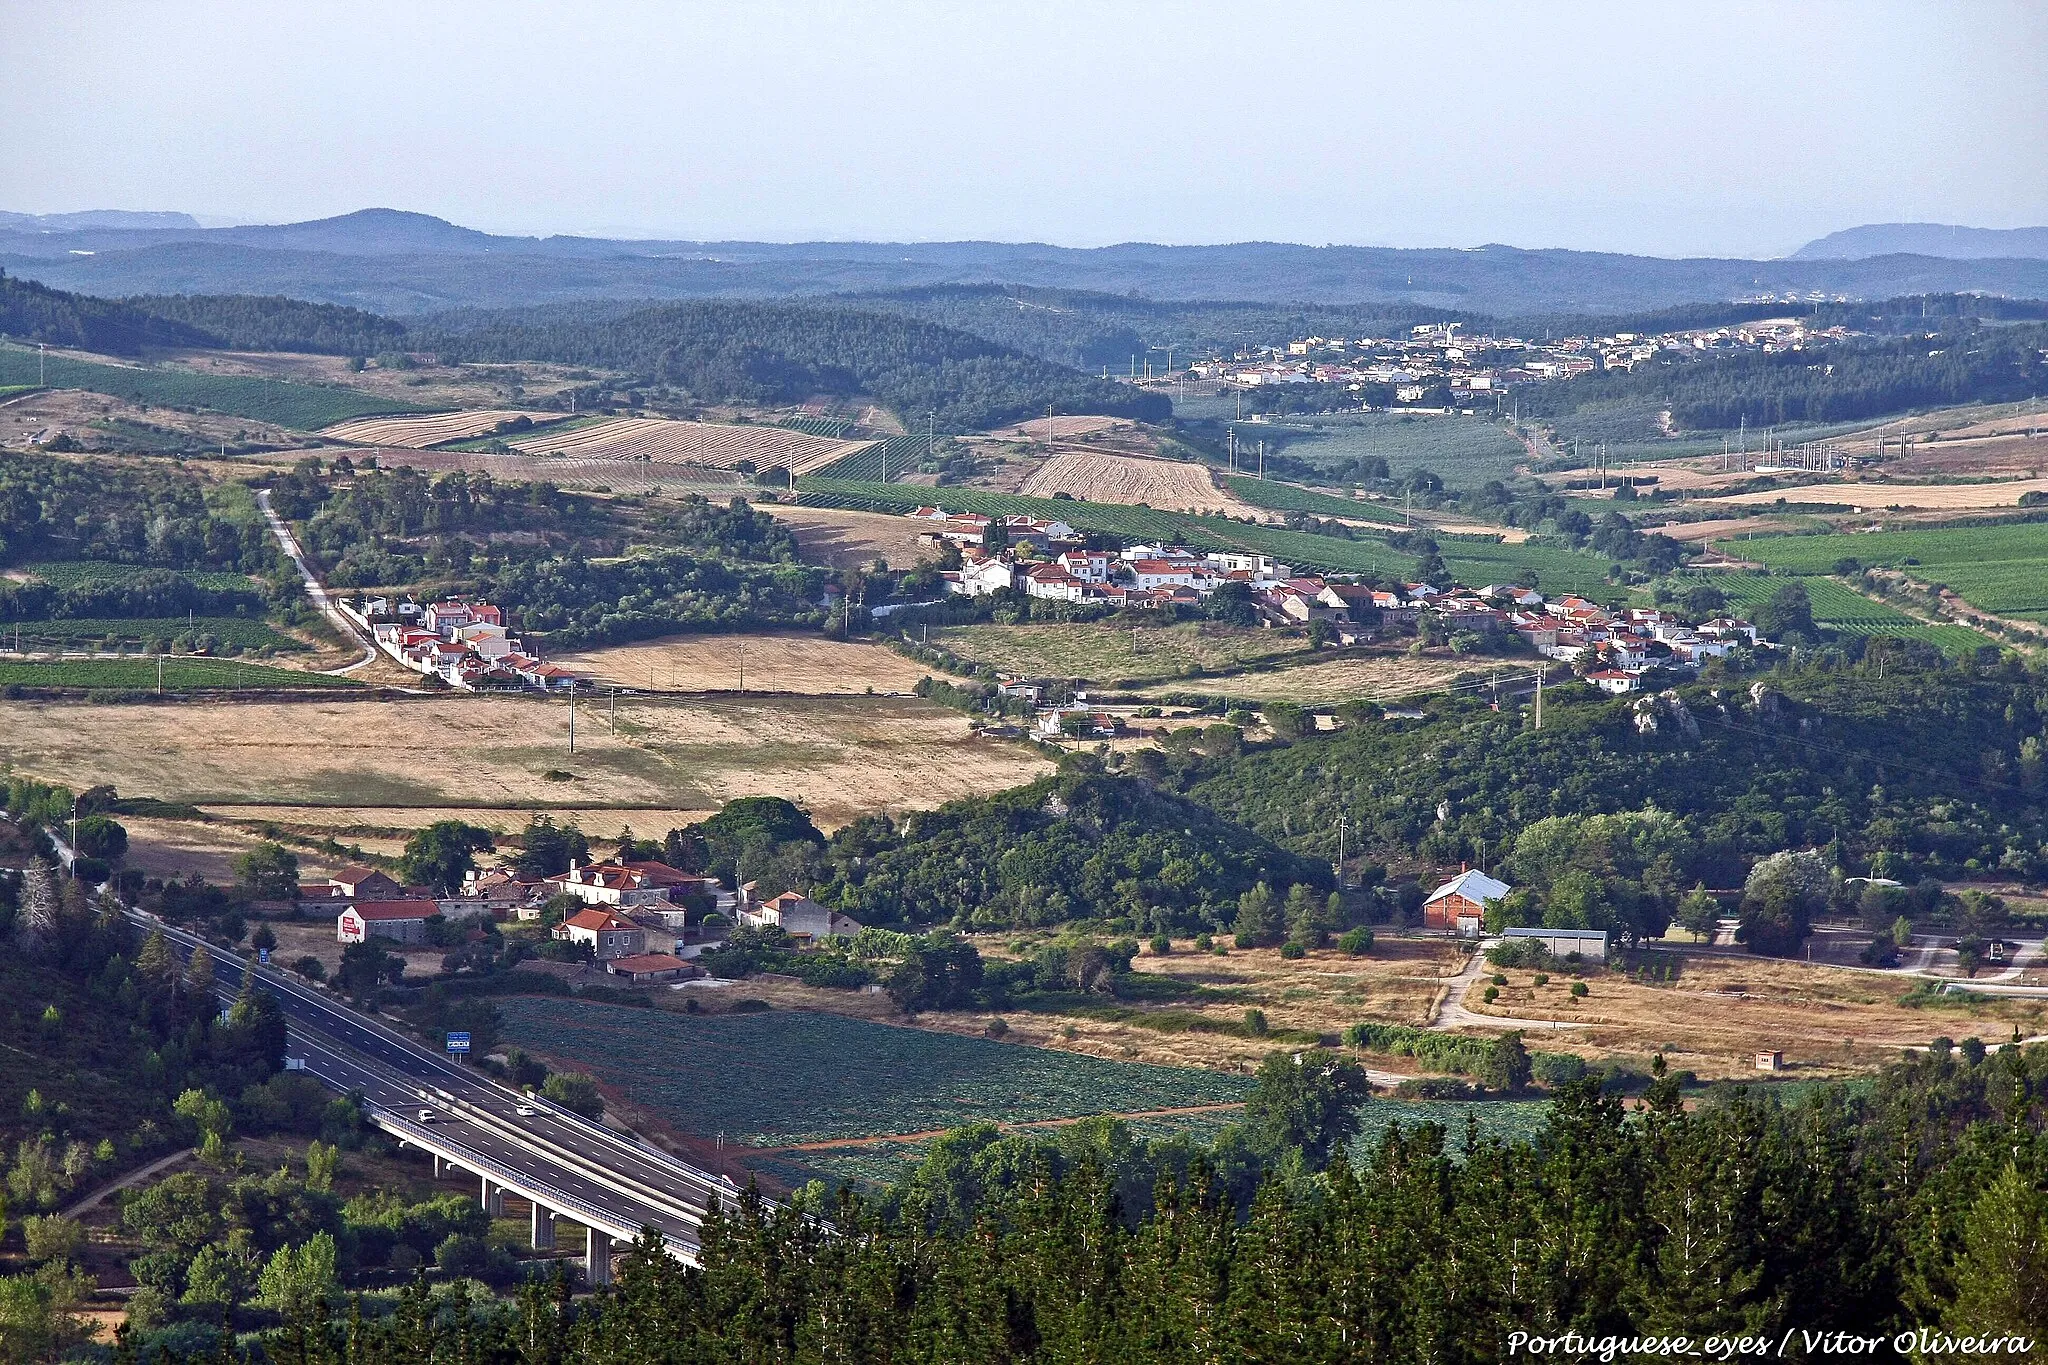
point(1433, 363)
point(1615, 650)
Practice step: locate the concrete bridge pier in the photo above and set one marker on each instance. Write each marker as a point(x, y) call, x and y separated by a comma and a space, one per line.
point(438, 1164)
point(543, 1229)
point(597, 1257)
point(494, 1198)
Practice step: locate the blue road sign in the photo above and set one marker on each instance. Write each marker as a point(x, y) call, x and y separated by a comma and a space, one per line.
point(458, 1042)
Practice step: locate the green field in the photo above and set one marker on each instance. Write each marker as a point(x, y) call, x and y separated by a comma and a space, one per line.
point(180, 674)
point(783, 1077)
point(2001, 569)
point(1840, 608)
point(1104, 653)
point(1465, 451)
point(1287, 497)
point(305, 407)
point(883, 460)
point(70, 573)
point(79, 633)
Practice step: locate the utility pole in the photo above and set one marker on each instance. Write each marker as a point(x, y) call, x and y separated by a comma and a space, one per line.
point(743, 668)
point(613, 720)
point(159, 666)
point(931, 432)
point(42, 364)
point(1541, 669)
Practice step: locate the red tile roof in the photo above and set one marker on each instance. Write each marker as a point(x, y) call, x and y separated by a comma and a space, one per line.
point(389, 910)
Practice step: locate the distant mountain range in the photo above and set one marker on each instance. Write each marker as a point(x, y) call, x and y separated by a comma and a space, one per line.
point(96, 218)
point(406, 264)
point(1927, 239)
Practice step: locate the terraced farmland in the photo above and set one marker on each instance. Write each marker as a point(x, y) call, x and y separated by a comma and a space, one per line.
point(784, 1077)
point(420, 433)
point(715, 445)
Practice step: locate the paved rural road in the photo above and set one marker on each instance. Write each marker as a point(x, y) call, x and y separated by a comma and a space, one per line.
point(611, 1173)
point(314, 588)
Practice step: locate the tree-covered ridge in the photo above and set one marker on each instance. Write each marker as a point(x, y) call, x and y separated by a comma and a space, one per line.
point(761, 352)
point(34, 312)
point(1905, 770)
point(124, 513)
point(1073, 845)
point(253, 322)
point(1845, 381)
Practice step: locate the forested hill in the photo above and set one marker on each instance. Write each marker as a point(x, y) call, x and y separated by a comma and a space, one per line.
point(1926, 769)
point(758, 352)
point(32, 312)
point(250, 322)
point(1963, 362)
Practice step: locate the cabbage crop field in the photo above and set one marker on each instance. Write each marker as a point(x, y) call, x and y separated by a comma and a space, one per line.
point(782, 1077)
point(70, 573)
point(82, 633)
point(1840, 608)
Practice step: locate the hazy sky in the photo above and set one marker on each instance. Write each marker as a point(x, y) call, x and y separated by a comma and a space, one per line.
point(1675, 129)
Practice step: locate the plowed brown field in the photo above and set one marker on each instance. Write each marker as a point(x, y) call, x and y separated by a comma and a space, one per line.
point(718, 445)
point(417, 433)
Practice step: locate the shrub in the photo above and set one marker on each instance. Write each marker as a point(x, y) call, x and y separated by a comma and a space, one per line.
point(1492, 994)
point(1499, 979)
point(1554, 1069)
point(1255, 1022)
point(1244, 940)
point(1161, 945)
point(1579, 989)
point(1356, 942)
point(1203, 942)
point(997, 1028)
point(1541, 979)
point(310, 967)
point(1434, 1088)
point(1291, 951)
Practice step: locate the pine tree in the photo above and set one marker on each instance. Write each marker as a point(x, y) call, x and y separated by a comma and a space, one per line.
point(1258, 916)
point(2002, 1276)
point(1307, 921)
point(156, 961)
point(199, 973)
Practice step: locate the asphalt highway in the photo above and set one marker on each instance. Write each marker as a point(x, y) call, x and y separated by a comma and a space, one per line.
point(477, 1121)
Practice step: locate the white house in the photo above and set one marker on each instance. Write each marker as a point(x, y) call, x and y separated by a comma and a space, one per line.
point(607, 935)
point(399, 921)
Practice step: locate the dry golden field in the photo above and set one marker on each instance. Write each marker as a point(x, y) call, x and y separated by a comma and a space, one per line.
point(1171, 485)
point(1375, 678)
point(717, 445)
point(430, 429)
point(1722, 1010)
point(840, 756)
point(807, 665)
point(177, 848)
point(845, 540)
point(1104, 653)
point(1876, 496)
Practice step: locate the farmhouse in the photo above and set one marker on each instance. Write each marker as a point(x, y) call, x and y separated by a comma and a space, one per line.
point(365, 884)
point(650, 967)
point(625, 885)
point(1460, 903)
point(607, 935)
point(399, 921)
point(802, 918)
